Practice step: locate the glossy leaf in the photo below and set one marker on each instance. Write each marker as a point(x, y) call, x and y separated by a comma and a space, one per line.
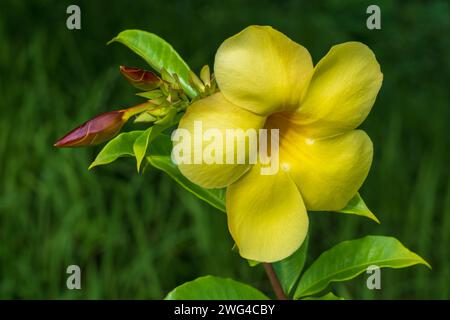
point(159, 156)
point(120, 146)
point(288, 270)
point(358, 207)
point(348, 259)
point(142, 142)
point(328, 296)
point(215, 288)
point(159, 54)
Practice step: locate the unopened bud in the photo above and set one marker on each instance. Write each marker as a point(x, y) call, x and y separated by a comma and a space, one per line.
point(205, 75)
point(196, 82)
point(141, 79)
point(101, 128)
point(97, 130)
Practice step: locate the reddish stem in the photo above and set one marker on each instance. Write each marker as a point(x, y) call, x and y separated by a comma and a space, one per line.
point(276, 286)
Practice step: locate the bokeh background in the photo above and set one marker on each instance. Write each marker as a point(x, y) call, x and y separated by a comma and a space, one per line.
point(139, 236)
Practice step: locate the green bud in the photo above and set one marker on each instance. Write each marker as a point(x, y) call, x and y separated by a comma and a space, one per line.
point(154, 94)
point(196, 82)
point(145, 117)
point(205, 75)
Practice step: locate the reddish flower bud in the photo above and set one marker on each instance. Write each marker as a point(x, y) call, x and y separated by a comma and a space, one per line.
point(101, 128)
point(141, 79)
point(97, 130)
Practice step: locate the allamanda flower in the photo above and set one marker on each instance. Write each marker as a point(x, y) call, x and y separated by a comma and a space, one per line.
point(266, 80)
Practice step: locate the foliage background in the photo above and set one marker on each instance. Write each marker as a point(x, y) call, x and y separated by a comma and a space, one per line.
point(138, 236)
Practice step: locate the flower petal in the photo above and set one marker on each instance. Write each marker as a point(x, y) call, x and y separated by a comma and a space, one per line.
point(328, 172)
point(342, 91)
point(262, 70)
point(218, 114)
point(266, 215)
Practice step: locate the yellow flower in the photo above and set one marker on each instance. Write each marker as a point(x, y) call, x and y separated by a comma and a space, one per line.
point(266, 80)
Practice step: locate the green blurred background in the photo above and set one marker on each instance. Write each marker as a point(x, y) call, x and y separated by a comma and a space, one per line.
point(138, 236)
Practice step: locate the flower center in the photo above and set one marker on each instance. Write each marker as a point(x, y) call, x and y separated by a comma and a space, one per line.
point(291, 137)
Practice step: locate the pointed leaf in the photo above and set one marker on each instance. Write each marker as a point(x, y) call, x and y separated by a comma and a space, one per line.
point(348, 259)
point(215, 288)
point(120, 146)
point(143, 141)
point(159, 54)
point(358, 207)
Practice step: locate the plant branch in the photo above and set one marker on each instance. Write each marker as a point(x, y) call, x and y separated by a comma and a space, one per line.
point(276, 286)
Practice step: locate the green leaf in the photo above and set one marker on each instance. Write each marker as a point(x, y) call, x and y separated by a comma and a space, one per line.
point(159, 54)
point(348, 259)
point(358, 207)
point(328, 296)
point(120, 146)
point(163, 162)
point(142, 142)
point(288, 270)
point(159, 148)
point(215, 288)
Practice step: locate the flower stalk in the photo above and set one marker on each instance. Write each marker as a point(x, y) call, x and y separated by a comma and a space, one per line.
point(276, 285)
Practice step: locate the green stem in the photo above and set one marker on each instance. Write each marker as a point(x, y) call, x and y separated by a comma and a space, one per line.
point(137, 109)
point(276, 286)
